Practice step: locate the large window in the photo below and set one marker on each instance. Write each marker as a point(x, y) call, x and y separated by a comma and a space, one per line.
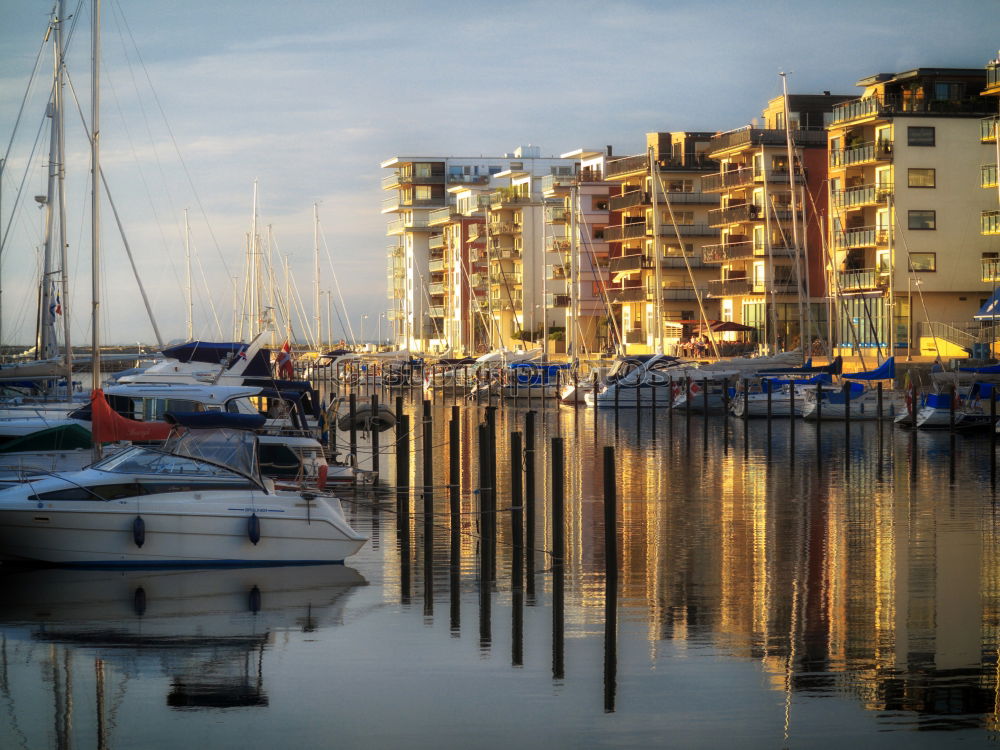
point(923, 261)
point(919, 136)
point(922, 219)
point(917, 177)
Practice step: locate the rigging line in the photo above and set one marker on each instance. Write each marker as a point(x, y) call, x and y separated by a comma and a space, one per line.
point(20, 187)
point(173, 140)
point(336, 281)
point(596, 270)
point(465, 269)
point(920, 293)
point(211, 299)
point(855, 335)
point(687, 263)
point(28, 88)
point(121, 229)
point(108, 81)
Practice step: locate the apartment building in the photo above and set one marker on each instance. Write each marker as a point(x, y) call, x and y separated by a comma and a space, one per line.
point(989, 218)
point(420, 185)
point(576, 253)
point(770, 249)
point(658, 231)
point(906, 254)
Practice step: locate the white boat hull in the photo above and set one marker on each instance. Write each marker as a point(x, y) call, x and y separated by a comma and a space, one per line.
point(180, 529)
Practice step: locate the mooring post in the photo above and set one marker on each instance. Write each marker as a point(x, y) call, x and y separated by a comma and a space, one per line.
point(558, 503)
point(516, 511)
point(454, 482)
point(610, 514)
point(529, 499)
point(951, 408)
point(428, 450)
point(353, 412)
point(374, 433)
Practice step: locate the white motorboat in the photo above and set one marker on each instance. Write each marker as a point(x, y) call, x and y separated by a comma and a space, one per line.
point(640, 380)
point(198, 500)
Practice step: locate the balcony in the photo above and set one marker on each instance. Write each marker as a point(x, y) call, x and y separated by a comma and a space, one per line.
point(556, 300)
point(686, 230)
point(552, 183)
point(557, 244)
point(441, 215)
point(729, 287)
point(477, 279)
point(861, 280)
point(991, 270)
point(436, 290)
point(556, 215)
point(401, 225)
point(859, 237)
point(427, 179)
point(497, 228)
point(395, 251)
point(635, 336)
point(627, 263)
point(507, 197)
point(508, 253)
point(436, 242)
point(886, 106)
point(437, 265)
point(678, 293)
point(506, 300)
point(988, 176)
point(629, 200)
point(728, 180)
point(864, 195)
point(626, 232)
point(727, 251)
point(735, 214)
point(640, 163)
point(866, 152)
point(468, 179)
point(627, 294)
point(557, 273)
point(752, 137)
point(988, 129)
point(990, 222)
point(436, 311)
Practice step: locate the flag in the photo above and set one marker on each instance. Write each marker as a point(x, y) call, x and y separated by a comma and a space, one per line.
point(55, 305)
point(284, 361)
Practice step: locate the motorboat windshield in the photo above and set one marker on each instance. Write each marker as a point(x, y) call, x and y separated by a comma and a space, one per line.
point(229, 448)
point(155, 461)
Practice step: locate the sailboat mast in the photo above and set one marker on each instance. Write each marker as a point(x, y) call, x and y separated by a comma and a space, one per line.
point(574, 276)
point(800, 286)
point(319, 315)
point(45, 340)
point(187, 269)
point(657, 266)
point(95, 203)
point(63, 260)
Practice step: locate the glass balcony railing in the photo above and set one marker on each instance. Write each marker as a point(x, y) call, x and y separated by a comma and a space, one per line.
point(991, 270)
point(988, 129)
point(866, 152)
point(988, 176)
point(860, 279)
point(990, 222)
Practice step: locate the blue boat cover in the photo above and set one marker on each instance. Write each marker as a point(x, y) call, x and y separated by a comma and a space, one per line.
point(885, 371)
point(215, 420)
point(986, 370)
point(771, 383)
point(834, 368)
point(991, 309)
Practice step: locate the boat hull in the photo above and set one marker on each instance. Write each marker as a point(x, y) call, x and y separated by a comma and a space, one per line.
point(178, 531)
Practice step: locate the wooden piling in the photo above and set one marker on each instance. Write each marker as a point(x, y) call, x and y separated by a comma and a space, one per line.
point(529, 499)
point(610, 514)
point(558, 503)
point(454, 482)
point(516, 511)
point(353, 412)
point(374, 434)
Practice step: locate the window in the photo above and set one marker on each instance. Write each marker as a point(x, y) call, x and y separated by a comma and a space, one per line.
point(919, 136)
point(600, 203)
point(922, 219)
point(923, 262)
point(680, 186)
point(423, 193)
point(422, 170)
point(917, 177)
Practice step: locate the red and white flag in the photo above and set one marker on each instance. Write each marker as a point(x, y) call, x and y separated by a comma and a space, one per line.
point(284, 361)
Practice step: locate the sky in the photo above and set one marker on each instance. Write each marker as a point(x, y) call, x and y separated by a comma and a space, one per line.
point(201, 99)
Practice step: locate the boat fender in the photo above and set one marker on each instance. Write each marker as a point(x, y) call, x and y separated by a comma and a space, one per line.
point(139, 601)
point(139, 532)
point(324, 470)
point(253, 528)
point(254, 601)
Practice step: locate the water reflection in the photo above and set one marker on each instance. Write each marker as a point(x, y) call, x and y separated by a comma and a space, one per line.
point(205, 631)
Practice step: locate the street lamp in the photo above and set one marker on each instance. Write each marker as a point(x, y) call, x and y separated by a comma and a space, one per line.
point(363, 319)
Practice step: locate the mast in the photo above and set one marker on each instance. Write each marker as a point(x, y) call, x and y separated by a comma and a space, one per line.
point(794, 199)
point(63, 260)
point(187, 269)
point(95, 204)
point(45, 339)
point(768, 208)
point(319, 316)
point(574, 275)
point(657, 268)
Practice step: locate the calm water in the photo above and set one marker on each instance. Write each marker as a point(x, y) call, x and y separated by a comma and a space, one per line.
point(835, 588)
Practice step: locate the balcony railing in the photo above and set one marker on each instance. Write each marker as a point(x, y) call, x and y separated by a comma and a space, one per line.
point(635, 336)
point(729, 287)
point(988, 176)
point(400, 225)
point(556, 215)
point(436, 266)
point(988, 129)
point(556, 300)
point(991, 270)
point(468, 179)
point(627, 263)
point(863, 195)
point(640, 163)
point(861, 280)
point(557, 273)
point(507, 196)
point(686, 230)
point(552, 182)
point(435, 290)
point(990, 222)
point(436, 311)
point(503, 227)
point(626, 232)
point(759, 137)
point(728, 180)
point(477, 279)
point(436, 242)
point(557, 244)
point(727, 251)
point(866, 152)
point(885, 106)
point(733, 214)
point(441, 215)
point(860, 237)
point(628, 294)
point(629, 200)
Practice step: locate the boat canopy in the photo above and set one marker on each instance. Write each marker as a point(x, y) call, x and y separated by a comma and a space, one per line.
point(836, 367)
point(233, 449)
point(228, 353)
point(215, 420)
point(769, 384)
point(885, 371)
point(991, 308)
